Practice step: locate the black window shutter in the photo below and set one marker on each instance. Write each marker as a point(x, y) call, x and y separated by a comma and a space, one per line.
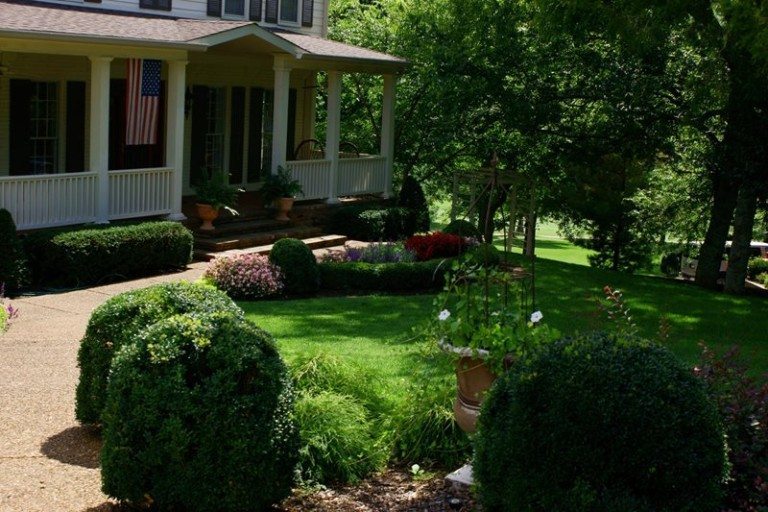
point(236, 134)
point(214, 8)
point(117, 122)
point(200, 95)
point(307, 12)
point(20, 127)
point(291, 143)
point(256, 118)
point(270, 16)
point(75, 150)
point(255, 10)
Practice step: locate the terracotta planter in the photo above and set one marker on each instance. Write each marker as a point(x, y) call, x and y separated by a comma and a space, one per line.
point(284, 205)
point(207, 214)
point(473, 380)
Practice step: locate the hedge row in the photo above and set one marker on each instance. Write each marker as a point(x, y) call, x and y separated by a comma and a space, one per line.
point(97, 254)
point(384, 276)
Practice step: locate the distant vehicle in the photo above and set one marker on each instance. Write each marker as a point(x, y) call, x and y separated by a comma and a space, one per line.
point(690, 262)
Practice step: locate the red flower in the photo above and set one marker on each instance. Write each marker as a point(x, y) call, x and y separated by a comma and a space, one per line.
point(436, 245)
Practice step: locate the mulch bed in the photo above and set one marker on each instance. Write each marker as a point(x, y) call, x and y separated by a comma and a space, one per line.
point(392, 491)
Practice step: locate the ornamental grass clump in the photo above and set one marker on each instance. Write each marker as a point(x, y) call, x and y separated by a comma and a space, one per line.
point(600, 423)
point(199, 418)
point(245, 277)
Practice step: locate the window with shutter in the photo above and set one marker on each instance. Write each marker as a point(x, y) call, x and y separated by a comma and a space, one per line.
point(307, 12)
point(214, 8)
point(289, 11)
point(161, 5)
point(234, 7)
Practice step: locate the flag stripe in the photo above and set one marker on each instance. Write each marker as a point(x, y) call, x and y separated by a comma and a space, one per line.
point(142, 101)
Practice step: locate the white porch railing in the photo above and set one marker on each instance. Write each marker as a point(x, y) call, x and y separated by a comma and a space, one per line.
point(49, 200)
point(314, 176)
point(139, 192)
point(365, 175)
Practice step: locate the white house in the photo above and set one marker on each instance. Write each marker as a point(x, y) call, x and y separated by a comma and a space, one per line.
point(238, 89)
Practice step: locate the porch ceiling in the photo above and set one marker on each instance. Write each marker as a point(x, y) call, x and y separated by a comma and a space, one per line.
point(74, 24)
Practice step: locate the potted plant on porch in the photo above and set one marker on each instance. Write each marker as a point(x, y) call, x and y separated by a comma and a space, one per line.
point(281, 189)
point(213, 194)
point(485, 321)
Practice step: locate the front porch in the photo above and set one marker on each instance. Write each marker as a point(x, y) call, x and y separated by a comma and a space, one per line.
point(241, 101)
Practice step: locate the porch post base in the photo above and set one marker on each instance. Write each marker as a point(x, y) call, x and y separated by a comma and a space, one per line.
point(176, 217)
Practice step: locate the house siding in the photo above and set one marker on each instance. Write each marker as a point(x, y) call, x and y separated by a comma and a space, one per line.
point(197, 9)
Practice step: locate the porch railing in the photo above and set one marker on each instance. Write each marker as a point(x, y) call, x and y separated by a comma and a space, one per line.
point(49, 200)
point(365, 175)
point(139, 192)
point(314, 176)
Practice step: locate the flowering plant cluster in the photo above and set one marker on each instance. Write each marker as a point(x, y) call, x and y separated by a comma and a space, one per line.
point(381, 252)
point(436, 245)
point(484, 311)
point(248, 276)
point(7, 311)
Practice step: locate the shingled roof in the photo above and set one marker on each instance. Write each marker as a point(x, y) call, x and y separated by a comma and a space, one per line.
point(45, 20)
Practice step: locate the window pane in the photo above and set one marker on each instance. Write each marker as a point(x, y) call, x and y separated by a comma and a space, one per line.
point(289, 10)
point(236, 7)
point(44, 128)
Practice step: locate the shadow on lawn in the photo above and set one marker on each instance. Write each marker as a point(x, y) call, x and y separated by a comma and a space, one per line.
point(78, 446)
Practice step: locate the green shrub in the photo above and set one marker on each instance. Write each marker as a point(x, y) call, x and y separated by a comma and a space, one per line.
point(117, 321)
point(14, 273)
point(599, 424)
point(463, 228)
point(421, 275)
point(338, 443)
point(316, 373)
point(374, 223)
point(670, 263)
point(485, 254)
point(763, 278)
point(76, 257)
point(198, 418)
point(299, 266)
point(412, 197)
point(757, 266)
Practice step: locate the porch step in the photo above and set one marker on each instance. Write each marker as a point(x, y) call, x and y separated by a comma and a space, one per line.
point(235, 226)
point(245, 239)
point(313, 242)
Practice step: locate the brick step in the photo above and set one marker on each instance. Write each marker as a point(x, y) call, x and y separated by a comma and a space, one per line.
point(313, 242)
point(245, 240)
point(246, 226)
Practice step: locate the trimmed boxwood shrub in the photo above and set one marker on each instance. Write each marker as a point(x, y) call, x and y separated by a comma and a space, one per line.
point(757, 266)
point(298, 264)
point(117, 321)
point(92, 255)
point(426, 275)
point(412, 197)
point(198, 418)
point(372, 224)
point(13, 265)
point(463, 228)
point(485, 254)
point(596, 423)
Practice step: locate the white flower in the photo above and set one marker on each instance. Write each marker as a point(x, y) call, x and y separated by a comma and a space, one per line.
point(536, 317)
point(444, 314)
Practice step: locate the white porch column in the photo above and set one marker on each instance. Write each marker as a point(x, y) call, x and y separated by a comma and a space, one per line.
point(99, 134)
point(333, 133)
point(280, 115)
point(388, 130)
point(174, 133)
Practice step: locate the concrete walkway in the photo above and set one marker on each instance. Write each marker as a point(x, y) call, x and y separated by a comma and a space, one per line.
point(48, 462)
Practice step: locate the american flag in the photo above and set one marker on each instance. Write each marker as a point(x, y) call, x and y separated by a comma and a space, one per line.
point(142, 101)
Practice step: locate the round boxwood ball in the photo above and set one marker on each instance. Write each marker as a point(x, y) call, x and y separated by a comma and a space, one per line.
point(463, 228)
point(198, 418)
point(299, 266)
point(117, 322)
point(596, 423)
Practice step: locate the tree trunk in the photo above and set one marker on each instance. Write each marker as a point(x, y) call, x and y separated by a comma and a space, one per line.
point(530, 232)
point(711, 253)
point(743, 223)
